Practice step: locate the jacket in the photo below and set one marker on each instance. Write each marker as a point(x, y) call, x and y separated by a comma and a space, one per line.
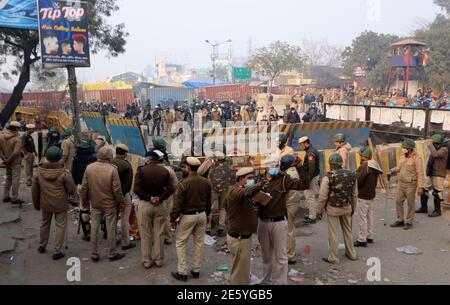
point(293, 197)
point(101, 184)
point(344, 150)
point(10, 147)
point(437, 163)
point(411, 170)
point(311, 164)
point(83, 157)
point(367, 180)
point(51, 187)
point(241, 214)
point(322, 203)
point(68, 151)
point(28, 144)
point(278, 188)
point(193, 194)
point(153, 180)
point(125, 173)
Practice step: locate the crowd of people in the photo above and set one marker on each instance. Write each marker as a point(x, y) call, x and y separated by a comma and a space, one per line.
point(213, 197)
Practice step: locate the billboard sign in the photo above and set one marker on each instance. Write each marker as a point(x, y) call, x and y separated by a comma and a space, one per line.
point(241, 73)
point(18, 14)
point(63, 29)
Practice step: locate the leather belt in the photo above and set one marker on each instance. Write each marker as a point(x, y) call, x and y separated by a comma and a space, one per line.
point(276, 219)
point(193, 213)
point(240, 236)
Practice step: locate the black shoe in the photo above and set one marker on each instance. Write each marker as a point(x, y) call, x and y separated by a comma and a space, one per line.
point(180, 277)
point(398, 224)
point(167, 242)
point(435, 214)
point(421, 211)
point(95, 259)
point(41, 249)
point(130, 246)
point(86, 238)
point(57, 256)
point(326, 260)
point(116, 257)
point(221, 233)
point(7, 199)
point(292, 262)
point(408, 227)
point(195, 275)
point(370, 241)
point(360, 244)
point(17, 201)
point(208, 232)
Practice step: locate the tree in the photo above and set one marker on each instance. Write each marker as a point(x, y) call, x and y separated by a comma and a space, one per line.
point(278, 57)
point(23, 46)
point(369, 50)
point(47, 80)
point(437, 36)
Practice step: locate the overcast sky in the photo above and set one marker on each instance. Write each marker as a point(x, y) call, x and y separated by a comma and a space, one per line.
point(178, 28)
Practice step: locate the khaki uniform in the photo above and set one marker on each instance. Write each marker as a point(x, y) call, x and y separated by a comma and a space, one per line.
point(152, 180)
point(292, 202)
point(411, 177)
point(68, 152)
point(273, 227)
point(242, 224)
point(10, 152)
point(285, 151)
point(436, 173)
point(29, 151)
point(101, 187)
point(192, 202)
point(344, 151)
point(51, 187)
point(168, 121)
point(338, 196)
point(169, 205)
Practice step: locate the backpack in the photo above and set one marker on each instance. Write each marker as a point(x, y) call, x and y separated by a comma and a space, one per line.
point(221, 175)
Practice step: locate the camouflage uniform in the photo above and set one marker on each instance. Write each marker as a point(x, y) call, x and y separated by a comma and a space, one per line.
point(221, 176)
point(338, 196)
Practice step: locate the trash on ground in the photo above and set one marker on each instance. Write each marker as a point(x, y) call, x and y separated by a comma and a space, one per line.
point(307, 250)
point(209, 240)
point(297, 279)
point(222, 267)
point(352, 281)
point(294, 272)
point(410, 250)
point(255, 280)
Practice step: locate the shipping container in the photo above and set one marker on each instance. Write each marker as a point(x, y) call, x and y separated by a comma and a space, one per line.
point(119, 98)
point(46, 100)
point(237, 92)
point(167, 96)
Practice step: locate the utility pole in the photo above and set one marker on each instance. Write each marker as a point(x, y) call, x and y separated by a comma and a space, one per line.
point(72, 78)
point(215, 54)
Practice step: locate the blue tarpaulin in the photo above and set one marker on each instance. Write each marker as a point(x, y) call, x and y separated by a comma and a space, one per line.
point(201, 82)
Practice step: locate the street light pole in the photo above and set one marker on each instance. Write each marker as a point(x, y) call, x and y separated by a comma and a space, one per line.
point(215, 55)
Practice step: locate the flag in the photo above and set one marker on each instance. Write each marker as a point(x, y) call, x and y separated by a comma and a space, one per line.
point(425, 60)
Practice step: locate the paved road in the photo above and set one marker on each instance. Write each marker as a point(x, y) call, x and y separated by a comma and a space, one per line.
point(23, 265)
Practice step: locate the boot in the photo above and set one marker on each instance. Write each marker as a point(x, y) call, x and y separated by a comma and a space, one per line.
point(437, 207)
point(424, 204)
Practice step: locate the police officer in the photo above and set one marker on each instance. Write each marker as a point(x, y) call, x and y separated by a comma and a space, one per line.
point(192, 206)
point(11, 154)
point(310, 170)
point(411, 181)
point(242, 224)
point(367, 176)
point(338, 197)
point(153, 186)
point(343, 148)
point(29, 150)
point(126, 180)
point(435, 175)
point(283, 147)
point(274, 223)
point(68, 149)
point(293, 198)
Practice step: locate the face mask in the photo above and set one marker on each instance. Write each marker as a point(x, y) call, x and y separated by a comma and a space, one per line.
point(250, 183)
point(54, 135)
point(405, 151)
point(274, 171)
